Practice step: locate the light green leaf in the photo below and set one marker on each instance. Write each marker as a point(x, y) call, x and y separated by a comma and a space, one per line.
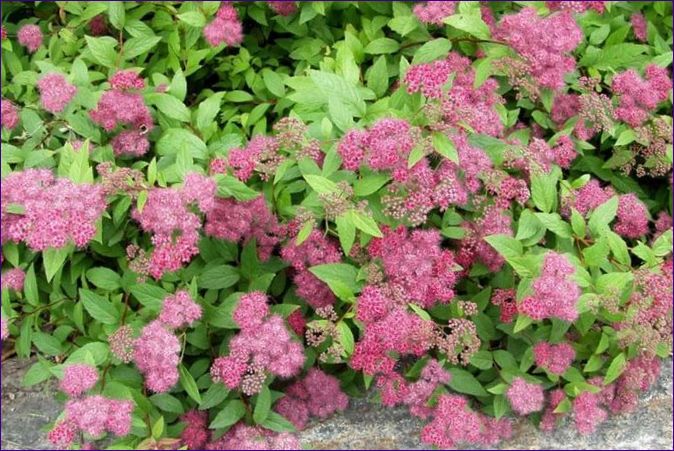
point(99, 307)
point(188, 383)
point(170, 106)
point(445, 147)
point(262, 405)
point(116, 12)
point(464, 382)
point(103, 50)
point(365, 223)
point(232, 412)
point(470, 23)
point(381, 46)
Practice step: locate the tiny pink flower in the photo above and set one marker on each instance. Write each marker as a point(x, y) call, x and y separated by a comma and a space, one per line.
point(77, 379)
point(30, 36)
point(179, 310)
point(13, 279)
point(525, 397)
point(10, 114)
point(55, 92)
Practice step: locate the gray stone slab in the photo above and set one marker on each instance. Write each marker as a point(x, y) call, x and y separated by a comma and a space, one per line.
point(366, 425)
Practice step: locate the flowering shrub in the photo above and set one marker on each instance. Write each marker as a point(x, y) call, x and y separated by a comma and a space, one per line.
point(220, 219)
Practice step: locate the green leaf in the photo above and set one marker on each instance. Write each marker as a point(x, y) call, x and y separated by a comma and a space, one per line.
point(527, 225)
point(208, 110)
point(277, 423)
point(321, 184)
point(370, 184)
point(233, 411)
point(230, 186)
point(37, 373)
point(626, 137)
point(615, 369)
point(116, 13)
point(170, 106)
point(365, 223)
point(30, 289)
point(193, 18)
point(47, 344)
point(544, 192)
point(262, 405)
point(464, 382)
point(420, 312)
point(346, 231)
point(554, 223)
point(445, 147)
point(505, 245)
point(215, 394)
point(602, 216)
point(482, 360)
point(104, 278)
point(138, 46)
point(505, 360)
point(304, 232)
point(340, 277)
point(663, 244)
point(381, 46)
point(151, 296)
point(578, 223)
point(167, 403)
point(273, 82)
point(593, 364)
point(346, 337)
point(432, 50)
point(377, 76)
point(103, 50)
point(522, 323)
point(53, 260)
point(188, 383)
point(218, 277)
point(469, 23)
point(614, 57)
point(618, 248)
point(99, 307)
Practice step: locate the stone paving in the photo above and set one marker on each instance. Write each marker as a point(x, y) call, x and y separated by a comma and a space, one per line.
point(27, 411)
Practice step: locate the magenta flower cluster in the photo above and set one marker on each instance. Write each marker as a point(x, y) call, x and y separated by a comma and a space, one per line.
point(55, 92)
point(225, 28)
point(263, 346)
point(56, 211)
point(555, 293)
point(316, 395)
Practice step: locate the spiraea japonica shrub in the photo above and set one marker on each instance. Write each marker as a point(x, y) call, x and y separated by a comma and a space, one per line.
point(222, 219)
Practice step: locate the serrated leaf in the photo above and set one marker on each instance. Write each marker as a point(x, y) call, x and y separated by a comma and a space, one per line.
point(188, 383)
point(615, 369)
point(116, 13)
point(232, 412)
point(218, 277)
point(346, 231)
point(365, 223)
point(53, 260)
point(469, 23)
point(215, 394)
point(445, 147)
point(464, 382)
point(346, 337)
point(170, 106)
point(99, 307)
point(262, 405)
point(103, 50)
point(602, 216)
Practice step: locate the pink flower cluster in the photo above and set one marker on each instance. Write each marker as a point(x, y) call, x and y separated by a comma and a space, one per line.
point(263, 346)
point(435, 12)
point(196, 433)
point(462, 103)
point(386, 146)
point(174, 228)
point(77, 379)
point(554, 292)
point(587, 412)
point(587, 198)
point(30, 36)
point(416, 395)
point(157, 354)
point(474, 248)
point(123, 105)
point(283, 7)
point(225, 28)
point(243, 437)
point(549, 418)
point(639, 26)
point(639, 375)
point(9, 114)
point(56, 210)
point(315, 250)
point(539, 156)
point(415, 265)
point(454, 423)
point(97, 26)
point(639, 96)
point(94, 414)
point(632, 217)
point(261, 154)
point(318, 395)
point(525, 397)
point(554, 358)
point(13, 279)
point(505, 299)
point(179, 310)
point(395, 331)
point(4, 328)
point(236, 221)
point(543, 43)
point(55, 92)
point(575, 6)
